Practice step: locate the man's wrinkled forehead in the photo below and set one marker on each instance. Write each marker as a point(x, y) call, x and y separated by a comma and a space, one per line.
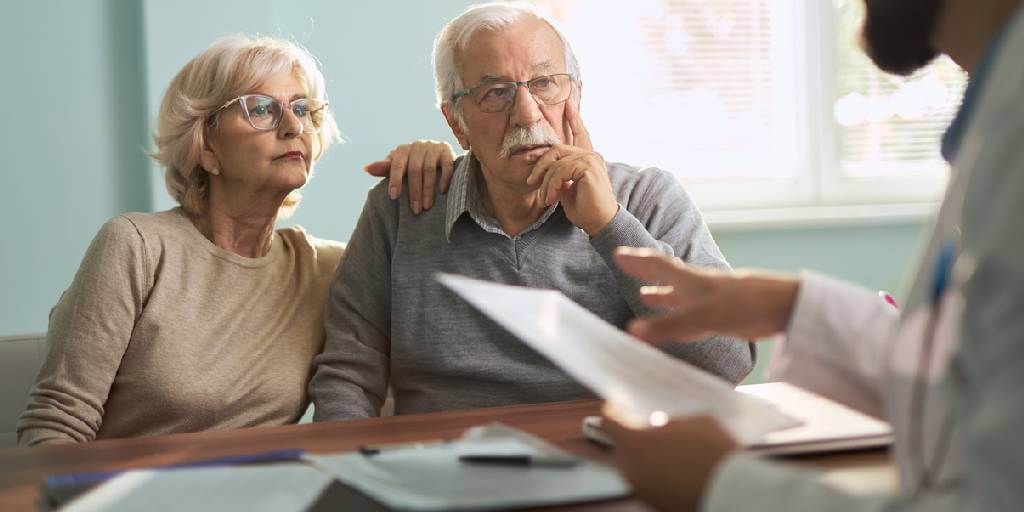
point(545, 67)
point(531, 46)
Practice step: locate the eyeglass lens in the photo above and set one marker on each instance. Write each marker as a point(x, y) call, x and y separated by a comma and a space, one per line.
point(498, 97)
point(265, 113)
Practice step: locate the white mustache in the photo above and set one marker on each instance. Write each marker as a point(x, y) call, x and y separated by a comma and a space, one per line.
point(536, 134)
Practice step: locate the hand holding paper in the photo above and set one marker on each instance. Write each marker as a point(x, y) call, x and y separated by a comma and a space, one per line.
point(638, 380)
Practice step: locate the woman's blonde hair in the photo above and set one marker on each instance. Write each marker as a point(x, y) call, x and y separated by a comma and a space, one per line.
point(230, 67)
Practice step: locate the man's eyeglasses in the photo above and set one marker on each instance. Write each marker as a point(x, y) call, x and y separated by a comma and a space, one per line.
point(264, 113)
point(498, 96)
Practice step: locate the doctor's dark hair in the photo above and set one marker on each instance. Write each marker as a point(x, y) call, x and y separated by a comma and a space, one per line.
point(897, 33)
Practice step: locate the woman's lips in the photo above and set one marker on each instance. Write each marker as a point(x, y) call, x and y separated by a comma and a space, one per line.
point(291, 155)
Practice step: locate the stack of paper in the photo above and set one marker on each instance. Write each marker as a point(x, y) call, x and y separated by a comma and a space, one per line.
point(433, 476)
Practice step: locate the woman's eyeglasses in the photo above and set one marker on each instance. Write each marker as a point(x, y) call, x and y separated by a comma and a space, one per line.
point(264, 113)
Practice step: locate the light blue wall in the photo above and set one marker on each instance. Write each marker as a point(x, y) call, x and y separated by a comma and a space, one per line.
point(72, 134)
point(879, 257)
point(87, 84)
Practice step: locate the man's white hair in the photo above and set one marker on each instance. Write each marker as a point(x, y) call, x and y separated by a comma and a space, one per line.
point(455, 35)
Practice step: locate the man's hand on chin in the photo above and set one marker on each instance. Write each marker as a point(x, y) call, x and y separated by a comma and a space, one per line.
point(576, 175)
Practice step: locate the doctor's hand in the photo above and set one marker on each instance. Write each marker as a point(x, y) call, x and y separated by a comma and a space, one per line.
point(671, 466)
point(422, 160)
point(575, 174)
point(701, 302)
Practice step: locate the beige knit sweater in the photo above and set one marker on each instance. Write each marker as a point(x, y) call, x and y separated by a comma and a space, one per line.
point(162, 331)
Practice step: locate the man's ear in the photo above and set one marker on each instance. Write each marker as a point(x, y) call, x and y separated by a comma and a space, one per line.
point(577, 95)
point(453, 122)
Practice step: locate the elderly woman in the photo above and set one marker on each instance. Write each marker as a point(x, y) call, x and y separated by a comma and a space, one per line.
point(204, 317)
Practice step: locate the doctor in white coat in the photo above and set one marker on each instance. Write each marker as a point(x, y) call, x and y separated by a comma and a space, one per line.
point(947, 371)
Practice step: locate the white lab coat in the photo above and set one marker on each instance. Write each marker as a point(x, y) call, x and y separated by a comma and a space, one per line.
point(845, 342)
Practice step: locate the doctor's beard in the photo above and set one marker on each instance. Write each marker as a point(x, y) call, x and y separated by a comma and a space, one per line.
point(897, 33)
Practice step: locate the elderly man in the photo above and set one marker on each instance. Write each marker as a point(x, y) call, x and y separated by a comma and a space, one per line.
point(530, 204)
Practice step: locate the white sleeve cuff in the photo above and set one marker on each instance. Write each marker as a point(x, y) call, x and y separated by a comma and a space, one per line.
point(831, 314)
point(835, 344)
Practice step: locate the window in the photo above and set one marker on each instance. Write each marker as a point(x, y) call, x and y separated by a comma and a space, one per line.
point(759, 104)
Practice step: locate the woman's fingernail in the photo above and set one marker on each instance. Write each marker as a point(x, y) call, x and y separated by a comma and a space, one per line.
point(416, 207)
point(393, 192)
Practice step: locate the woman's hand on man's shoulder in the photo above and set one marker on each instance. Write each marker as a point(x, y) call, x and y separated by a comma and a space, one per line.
point(422, 163)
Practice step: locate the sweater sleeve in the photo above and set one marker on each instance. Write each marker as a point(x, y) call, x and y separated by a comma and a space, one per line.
point(351, 374)
point(660, 215)
point(88, 334)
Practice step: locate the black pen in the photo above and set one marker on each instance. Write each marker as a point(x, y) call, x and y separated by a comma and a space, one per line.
point(521, 460)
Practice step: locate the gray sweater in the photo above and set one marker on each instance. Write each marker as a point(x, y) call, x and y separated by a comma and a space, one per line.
point(389, 321)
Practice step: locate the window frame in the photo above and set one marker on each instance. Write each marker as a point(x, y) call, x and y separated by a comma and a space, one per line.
point(836, 188)
point(817, 183)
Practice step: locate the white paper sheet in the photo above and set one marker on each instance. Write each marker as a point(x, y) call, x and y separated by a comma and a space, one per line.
point(638, 379)
point(431, 477)
point(270, 488)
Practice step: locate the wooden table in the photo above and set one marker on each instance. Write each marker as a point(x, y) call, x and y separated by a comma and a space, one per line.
point(22, 469)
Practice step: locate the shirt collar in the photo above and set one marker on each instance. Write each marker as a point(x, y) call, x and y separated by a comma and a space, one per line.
point(464, 197)
point(458, 195)
point(975, 84)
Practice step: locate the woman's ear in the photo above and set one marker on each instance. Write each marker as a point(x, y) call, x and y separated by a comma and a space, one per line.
point(207, 158)
point(208, 161)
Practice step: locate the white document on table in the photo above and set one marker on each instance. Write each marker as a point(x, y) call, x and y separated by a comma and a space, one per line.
point(635, 377)
point(271, 488)
point(432, 477)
